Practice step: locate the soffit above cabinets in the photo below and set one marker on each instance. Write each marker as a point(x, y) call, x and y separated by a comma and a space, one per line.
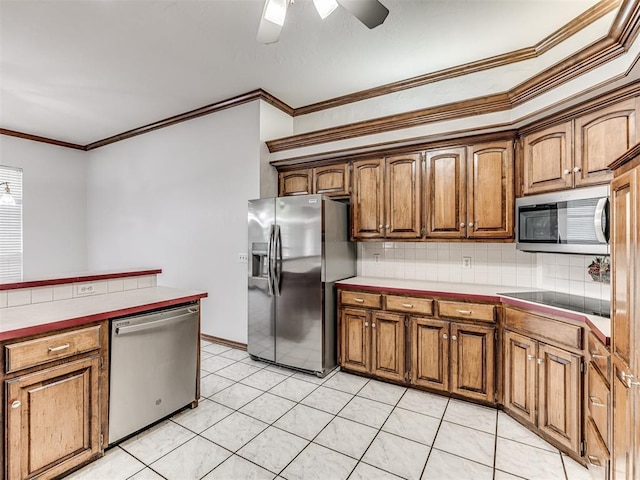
point(84, 71)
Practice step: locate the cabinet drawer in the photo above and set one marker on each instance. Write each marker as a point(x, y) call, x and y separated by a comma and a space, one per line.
point(599, 403)
point(53, 347)
point(545, 328)
point(371, 300)
point(422, 306)
point(473, 311)
point(597, 455)
point(600, 356)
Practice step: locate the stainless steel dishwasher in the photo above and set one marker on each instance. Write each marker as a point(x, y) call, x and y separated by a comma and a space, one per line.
point(153, 367)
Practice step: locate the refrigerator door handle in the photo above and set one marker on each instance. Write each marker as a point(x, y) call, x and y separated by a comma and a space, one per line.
point(270, 260)
point(277, 261)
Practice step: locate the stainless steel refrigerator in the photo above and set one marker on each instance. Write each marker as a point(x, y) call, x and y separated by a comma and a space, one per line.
point(298, 248)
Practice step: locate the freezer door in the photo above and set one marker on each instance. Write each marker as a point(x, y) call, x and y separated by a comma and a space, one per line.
point(261, 333)
point(299, 312)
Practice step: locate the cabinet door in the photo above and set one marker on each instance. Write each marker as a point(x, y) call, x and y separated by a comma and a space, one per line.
point(446, 193)
point(368, 204)
point(430, 353)
point(624, 206)
point(547, 160)
point(53, 419)
point(356, 340)
point(490, 202)
point(520, 376)
point(473, 361)
point(559, 394)
point(601, 137)
point(621, 435)
point(332, 180)
point(403, 197)
point(297, 182)
point(387, 340)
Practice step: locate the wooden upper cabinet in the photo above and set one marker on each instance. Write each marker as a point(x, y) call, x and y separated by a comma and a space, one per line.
point(367, 200)
point(332, 180)
point(446, 193)
point(472, 361)
point(490, 198)
point(296, 182)
point(547, 160)
point(403, 197)
point(601, 137)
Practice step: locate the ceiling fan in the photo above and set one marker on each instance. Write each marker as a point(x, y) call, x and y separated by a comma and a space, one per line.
point(370, 12)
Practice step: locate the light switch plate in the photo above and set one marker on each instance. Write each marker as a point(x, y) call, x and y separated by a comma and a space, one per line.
point(243, 258)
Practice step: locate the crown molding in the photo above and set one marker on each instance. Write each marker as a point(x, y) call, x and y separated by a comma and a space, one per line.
point(621, 35)
point(594, 13)
point(37, 138)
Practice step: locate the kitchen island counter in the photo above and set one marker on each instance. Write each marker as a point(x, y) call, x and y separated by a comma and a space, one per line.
point(25, 320)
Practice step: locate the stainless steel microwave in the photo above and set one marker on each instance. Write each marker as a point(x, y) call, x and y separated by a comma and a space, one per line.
point(571, 221)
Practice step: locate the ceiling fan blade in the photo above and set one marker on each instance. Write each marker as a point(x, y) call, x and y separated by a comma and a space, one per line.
point(272, 20)
point(268, 32)
point(370, 12)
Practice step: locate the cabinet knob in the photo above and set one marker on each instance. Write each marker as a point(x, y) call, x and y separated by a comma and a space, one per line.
point(529, 357)
point(566, 171)
point(380, 226)
point(387, 226)
point(16, 404)
point(373, 325)
point(366, 324)
point(470, 224)
point(576, 169)
point(539, 361)
point(453, 337)
point(445, 336)
point(462, 224)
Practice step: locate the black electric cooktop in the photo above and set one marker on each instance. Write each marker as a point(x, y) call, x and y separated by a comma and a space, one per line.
point(590, 306)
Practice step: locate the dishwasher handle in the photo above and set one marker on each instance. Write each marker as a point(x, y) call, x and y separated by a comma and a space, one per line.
point(153, 325)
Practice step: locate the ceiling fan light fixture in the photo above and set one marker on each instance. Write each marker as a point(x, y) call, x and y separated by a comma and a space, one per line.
point(275, 11)
point(325, 7)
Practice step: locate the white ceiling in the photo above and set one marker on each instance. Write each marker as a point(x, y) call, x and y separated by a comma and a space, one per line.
point(83, 70)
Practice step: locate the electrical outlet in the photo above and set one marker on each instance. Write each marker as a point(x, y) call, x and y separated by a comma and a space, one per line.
point(85, 289)
point(466, 262)
point(243, 258)
point(376, 258)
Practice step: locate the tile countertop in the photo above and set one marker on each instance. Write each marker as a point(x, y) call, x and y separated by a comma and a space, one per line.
point(601, 326)
point(37, 318)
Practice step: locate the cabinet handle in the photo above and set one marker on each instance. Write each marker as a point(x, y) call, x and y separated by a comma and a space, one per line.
point(407, 305)
point(359, 300)
point(627, 377)
point(529, 357)
point(595, 401)
point(539, 361)
point(373, 325)
point(16, 404)
point(594, 354)
point(453, 337)
point(576, 169)
point(445, 336)
point(566, 171)
point(470, 224)
point(593, 460)
point(465, 312)
point(61, 347)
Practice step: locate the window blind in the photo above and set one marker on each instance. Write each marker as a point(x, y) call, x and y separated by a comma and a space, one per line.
point(11, 227)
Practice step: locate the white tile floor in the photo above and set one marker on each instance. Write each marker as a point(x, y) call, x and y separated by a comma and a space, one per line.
point(257, 421)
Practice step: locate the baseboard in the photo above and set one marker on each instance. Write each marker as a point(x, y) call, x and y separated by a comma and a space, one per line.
point(224, 341)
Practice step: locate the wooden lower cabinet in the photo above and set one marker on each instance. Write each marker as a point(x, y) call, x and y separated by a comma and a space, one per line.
point(53, 419)
point(543, 387)
point(453, 357)
point(373, 342)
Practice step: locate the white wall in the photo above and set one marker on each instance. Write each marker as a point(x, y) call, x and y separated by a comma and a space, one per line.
point(54, 205)
point(176, 199)
point(274, 123)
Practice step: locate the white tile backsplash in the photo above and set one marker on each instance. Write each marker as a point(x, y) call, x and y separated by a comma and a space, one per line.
point(20, 296)
point(63, 292)
point(491, 263)
point(42, 294)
